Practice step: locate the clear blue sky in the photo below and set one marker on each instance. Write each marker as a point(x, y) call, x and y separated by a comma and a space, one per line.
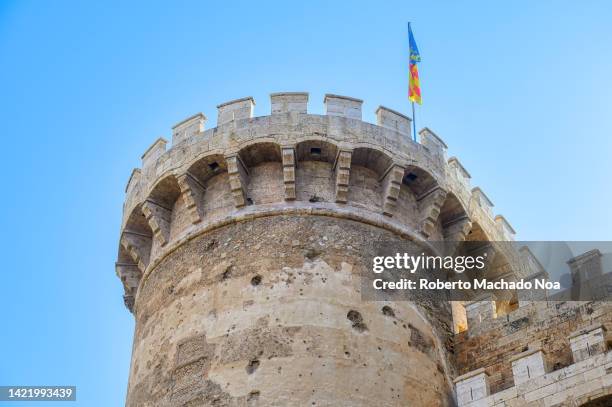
point(519, 91)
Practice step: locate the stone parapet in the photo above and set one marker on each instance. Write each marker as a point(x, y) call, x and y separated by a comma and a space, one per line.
point(289, 102)
point(157, 149)
point(589, 341)
point(528, 365)
point(188, 128)
point(471, 387)
point(393, 120)
point(343, 106)
point(235, 110)
point(574, 385)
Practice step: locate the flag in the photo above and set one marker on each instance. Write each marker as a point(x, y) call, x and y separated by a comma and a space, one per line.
point(414, 88)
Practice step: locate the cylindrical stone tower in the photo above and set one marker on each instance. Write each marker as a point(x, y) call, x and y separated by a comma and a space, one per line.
point(241, 251)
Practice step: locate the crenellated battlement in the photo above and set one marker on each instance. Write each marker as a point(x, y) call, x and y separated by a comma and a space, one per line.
point(294, 162)
point(544, 353)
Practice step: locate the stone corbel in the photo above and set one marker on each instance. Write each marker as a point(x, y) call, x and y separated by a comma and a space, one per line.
point(342, 168)
point(138, 246)
point(130, 276)
point(238, 176)
point(192, 192)
point(392, 182)
point(430, 204)
point(159, 218)
point(288, 155)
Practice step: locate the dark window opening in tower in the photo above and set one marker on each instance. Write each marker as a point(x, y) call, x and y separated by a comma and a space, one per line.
point(410, 177)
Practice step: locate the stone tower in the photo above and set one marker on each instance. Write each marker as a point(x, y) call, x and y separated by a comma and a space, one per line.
point(241, 250)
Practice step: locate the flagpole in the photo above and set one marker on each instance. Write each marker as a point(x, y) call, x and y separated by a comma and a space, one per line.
point(413, 124)
point(413, 115)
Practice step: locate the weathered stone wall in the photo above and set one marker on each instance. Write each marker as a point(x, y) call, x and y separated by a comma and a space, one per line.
point(407, 208)
point(269, 311)
point(266, 183)
point(364, 189)
point(313, 181)
point(218, 197)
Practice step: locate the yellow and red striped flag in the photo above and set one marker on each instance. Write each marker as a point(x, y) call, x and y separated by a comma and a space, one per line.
point(414, 87)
